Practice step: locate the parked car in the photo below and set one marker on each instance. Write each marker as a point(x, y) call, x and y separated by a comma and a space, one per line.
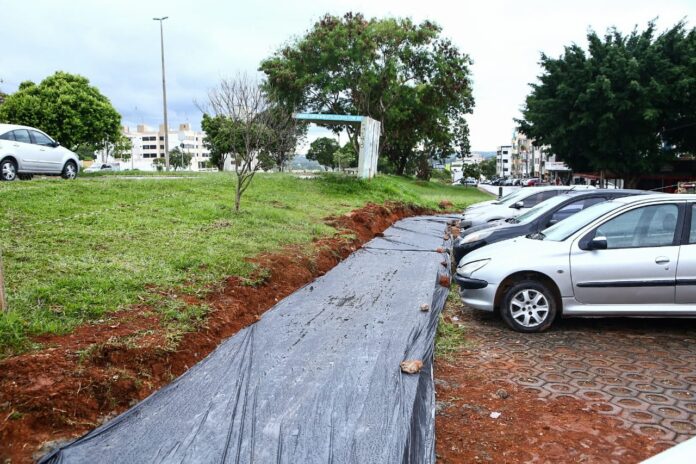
point(469, 181)
point(25, 151)
point(514, 205)
point(532, 182)
point(101, 167)
point(631, 256)
point(542, 216)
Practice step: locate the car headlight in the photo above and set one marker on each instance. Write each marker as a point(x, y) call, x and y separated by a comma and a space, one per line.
point(476, 236)
point(467, 269)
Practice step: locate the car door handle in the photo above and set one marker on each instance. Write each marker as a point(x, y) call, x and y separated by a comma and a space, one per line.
point(661, 260)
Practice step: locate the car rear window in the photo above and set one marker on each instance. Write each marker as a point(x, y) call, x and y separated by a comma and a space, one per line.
point(7, 136)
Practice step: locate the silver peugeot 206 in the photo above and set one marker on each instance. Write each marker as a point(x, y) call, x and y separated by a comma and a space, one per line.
point(632, 256)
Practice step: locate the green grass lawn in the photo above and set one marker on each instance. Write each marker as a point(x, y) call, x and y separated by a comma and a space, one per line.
point(74, 251)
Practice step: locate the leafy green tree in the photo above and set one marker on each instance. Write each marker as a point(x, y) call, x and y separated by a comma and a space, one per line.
point(471, 170)
point(179, 159)
point(121, 148)
point(322, 150)
point(344, 157)
point(284, 139)
point(416, 83)
point(219, 135)
point(65, 106)
point(488, 167)
point(626, 105)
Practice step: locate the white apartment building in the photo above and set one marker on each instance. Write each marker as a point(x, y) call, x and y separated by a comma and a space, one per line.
point(503, 161)
point(148, 144)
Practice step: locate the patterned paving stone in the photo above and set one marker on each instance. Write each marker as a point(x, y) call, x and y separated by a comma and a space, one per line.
point(641, 373)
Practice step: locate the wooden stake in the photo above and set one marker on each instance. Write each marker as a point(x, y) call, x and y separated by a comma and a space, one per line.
point(3, 301)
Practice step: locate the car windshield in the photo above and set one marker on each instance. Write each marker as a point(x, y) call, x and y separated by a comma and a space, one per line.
point(514, 197)
point(538, 210)
point(505, 198)
point(564, 229)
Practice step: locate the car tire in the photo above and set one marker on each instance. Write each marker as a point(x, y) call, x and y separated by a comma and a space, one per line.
point(25, 176)
point(8, 170)
point(529, 306)
point(69, 170)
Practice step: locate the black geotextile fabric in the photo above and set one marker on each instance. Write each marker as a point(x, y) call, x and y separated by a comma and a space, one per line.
point(316, 380)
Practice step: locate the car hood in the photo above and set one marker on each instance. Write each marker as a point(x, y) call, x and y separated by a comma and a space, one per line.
point(523, 251)
point(492, 211)
point(495, 225)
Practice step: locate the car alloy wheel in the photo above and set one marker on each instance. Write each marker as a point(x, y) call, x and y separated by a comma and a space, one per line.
point(528, 306)
point(70, 170)
point(8, 170)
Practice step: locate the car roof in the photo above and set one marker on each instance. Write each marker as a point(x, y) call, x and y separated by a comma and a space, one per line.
point(10, 127)
point(655, 196)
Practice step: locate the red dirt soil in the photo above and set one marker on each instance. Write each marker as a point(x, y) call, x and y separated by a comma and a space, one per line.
point(101, 369)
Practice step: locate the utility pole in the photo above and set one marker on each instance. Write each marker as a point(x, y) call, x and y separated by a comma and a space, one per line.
point(164, 94)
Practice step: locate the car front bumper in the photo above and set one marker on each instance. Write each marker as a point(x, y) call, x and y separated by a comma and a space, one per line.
point(476, 293)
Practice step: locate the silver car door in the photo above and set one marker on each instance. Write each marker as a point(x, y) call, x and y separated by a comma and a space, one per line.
point(25, 150)
point(686, 269)
point(49, 156)
point(640, 262)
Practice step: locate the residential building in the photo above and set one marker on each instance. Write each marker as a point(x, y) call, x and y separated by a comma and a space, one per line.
point(148, 145)
point(503, 161)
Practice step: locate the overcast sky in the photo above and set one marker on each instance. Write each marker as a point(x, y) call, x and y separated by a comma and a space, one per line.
point(116, 45)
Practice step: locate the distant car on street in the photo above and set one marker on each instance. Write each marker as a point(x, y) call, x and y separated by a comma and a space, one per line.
point(101, 167)
point(469, 181)
point(25, 151)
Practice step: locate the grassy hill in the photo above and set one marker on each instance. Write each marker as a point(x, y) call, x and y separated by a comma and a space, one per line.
point(74, 251)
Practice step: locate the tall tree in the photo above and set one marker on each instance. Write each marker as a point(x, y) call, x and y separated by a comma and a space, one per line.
point(284, 139)
point(406, 76)
point(322, 150)
point(625, 105)
point(488, 167)
point(65, 106)
point(250, 128)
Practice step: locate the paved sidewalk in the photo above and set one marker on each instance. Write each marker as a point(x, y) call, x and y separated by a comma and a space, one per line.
point(639, 371)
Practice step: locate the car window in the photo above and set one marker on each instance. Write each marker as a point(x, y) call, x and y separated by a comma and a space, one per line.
point(41, 139)
point(537, 198)
point(21, 135)
point(648, 226)
point(692, 228)
point(7, 136)
point(565, 229)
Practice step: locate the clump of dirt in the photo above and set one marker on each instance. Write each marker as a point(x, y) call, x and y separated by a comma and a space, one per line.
point(446, 204)
point(101, 369)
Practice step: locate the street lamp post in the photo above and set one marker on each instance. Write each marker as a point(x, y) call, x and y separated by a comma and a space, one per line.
point(164, 95)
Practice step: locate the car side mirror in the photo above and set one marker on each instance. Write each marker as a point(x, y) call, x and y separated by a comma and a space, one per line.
point(553, 221)
point(518, 205)
point(597, 243)
point(55, 144)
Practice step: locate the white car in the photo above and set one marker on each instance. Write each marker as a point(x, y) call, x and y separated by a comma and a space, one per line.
point(25, 151)
point(511, 205)
point(102, 167)
point(632, 256)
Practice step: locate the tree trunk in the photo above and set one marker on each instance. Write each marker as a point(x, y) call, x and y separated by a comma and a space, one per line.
point(238, 195)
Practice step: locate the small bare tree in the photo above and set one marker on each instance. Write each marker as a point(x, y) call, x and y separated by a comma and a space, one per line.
point(253, 126)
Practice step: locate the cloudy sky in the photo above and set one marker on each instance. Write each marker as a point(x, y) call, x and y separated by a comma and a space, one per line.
point(116, 44)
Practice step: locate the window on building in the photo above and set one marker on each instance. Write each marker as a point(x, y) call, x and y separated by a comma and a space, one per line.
point(161, 147)
point(161, 138)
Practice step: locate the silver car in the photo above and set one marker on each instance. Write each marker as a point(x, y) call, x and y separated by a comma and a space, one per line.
point(25, 151)
point(632, 256)
point(512, 205)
